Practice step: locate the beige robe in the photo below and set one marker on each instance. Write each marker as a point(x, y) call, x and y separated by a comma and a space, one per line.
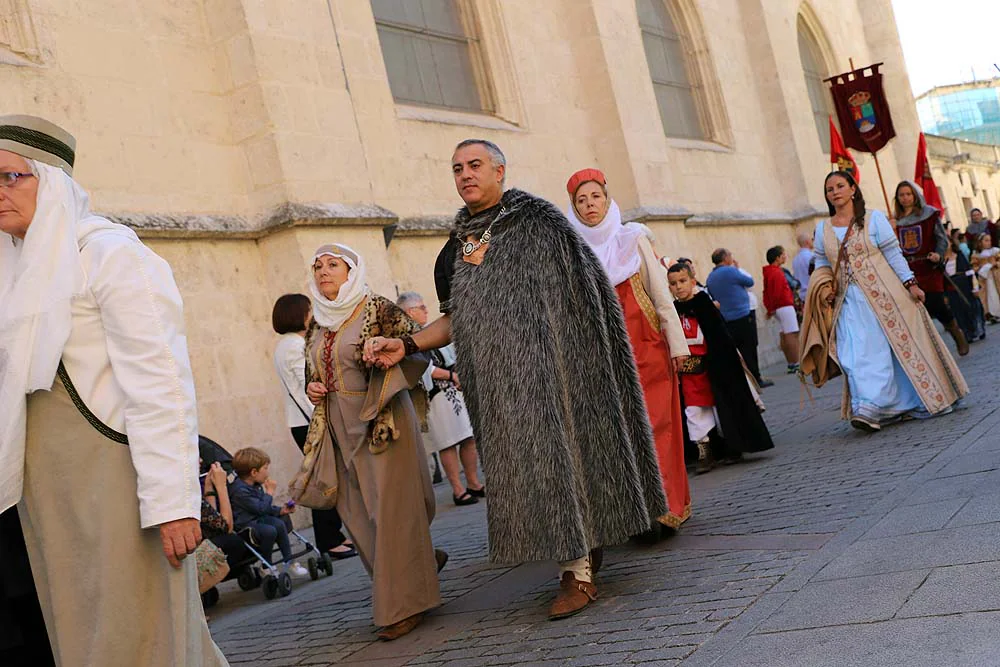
point(386, 499)
point(107, 593)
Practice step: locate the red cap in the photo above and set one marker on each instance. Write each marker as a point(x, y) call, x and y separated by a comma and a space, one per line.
point(581, 177)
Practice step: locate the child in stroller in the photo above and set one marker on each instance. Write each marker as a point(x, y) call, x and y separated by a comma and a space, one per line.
point(248, 555)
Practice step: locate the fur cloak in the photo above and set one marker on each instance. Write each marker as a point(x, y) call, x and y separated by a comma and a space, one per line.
point(551, 386)
point(743, 428)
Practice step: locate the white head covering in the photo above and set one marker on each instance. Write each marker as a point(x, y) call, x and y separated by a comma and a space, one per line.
point(39, 278)
point(615, 244)
point(333, 314)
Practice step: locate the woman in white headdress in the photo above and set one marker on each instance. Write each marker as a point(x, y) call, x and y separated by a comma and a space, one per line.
point(98, 430)
point(373, 419)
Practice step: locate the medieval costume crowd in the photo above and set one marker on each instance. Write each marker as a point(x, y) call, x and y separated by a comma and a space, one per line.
point(587, 368)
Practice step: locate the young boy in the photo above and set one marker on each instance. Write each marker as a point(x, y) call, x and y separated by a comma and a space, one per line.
point(722, 417)
point(780, 303)
point(250, 495)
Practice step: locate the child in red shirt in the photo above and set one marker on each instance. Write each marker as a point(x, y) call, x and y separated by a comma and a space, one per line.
point(780, 304)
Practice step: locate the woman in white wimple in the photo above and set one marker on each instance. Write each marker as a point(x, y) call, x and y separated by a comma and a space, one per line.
point(98, 430)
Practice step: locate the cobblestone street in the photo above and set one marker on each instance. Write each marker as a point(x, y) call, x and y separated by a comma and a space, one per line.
point(836, 548)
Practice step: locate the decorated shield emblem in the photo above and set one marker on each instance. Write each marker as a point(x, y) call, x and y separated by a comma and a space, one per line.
point(911, 239)
point(862, 111)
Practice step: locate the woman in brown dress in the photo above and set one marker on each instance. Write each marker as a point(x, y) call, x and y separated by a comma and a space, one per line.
point(385, 496)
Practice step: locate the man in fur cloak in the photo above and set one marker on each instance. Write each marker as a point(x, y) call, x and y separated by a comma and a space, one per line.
point(549, 379)
point(739, 426)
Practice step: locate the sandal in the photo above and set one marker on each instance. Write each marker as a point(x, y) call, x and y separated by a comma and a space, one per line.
point(477, 493)
point(465, 499)
point(350, 552)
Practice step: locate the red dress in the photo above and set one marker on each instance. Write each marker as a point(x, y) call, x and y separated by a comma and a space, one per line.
point(663, 400)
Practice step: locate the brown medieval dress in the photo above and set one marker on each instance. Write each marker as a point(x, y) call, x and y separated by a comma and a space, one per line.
point(385, 496)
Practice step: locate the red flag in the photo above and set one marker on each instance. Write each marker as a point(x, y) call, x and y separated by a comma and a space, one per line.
point(840, 157)
point(922, 176)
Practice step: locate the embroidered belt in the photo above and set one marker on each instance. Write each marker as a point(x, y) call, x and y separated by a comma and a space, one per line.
point(74, 396)
point(693, 365)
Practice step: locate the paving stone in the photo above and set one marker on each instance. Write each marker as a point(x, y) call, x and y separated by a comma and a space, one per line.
point(952, 546)
point(962, 588)
point(916, 519)
point(842, 601)
point(979, 509)
point(965, 640)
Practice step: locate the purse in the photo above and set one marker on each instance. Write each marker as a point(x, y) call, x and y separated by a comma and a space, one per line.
point(315, 484)
point(212, 565)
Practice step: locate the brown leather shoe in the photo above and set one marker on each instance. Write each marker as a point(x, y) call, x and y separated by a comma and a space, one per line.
point(400, 628)
point(574, 596)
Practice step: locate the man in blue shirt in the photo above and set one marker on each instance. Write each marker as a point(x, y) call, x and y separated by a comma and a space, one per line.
point(801, 263)
point(728, 286)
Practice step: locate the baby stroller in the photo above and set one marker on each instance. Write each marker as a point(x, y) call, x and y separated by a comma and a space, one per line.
point(247, 565)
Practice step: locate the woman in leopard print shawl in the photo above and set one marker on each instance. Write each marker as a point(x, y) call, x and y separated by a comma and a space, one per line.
point(372, 419)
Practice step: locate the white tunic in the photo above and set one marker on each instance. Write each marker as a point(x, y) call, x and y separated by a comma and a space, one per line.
point(290, 364)
point(127, 356)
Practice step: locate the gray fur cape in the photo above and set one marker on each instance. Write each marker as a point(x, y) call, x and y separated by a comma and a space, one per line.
point(551, 386)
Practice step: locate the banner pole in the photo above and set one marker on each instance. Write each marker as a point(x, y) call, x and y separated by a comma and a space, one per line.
point(881, 181)
point(878, 168)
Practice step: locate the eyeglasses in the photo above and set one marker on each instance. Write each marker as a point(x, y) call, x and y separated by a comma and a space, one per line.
point(9, 179)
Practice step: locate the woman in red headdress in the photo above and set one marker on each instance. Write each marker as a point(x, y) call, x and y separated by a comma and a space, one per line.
point(652, 322)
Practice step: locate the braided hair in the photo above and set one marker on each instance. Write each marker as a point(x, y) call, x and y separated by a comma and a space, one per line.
point(859, 199)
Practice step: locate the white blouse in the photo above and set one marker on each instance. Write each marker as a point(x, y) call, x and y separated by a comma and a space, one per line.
point(290, 364)
point(127, 357)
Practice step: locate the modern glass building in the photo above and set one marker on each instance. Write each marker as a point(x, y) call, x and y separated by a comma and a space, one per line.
point(969, 111)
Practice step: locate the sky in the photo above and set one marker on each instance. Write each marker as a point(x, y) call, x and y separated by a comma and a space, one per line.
point(944, 41)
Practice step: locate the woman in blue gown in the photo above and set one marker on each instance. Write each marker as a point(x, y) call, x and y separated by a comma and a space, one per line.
point(896, 363)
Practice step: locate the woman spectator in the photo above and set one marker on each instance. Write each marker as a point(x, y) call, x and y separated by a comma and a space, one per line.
point(652, 322)
point(449, 431)
point(290, 318)
point(385, 495)
point(882, 337)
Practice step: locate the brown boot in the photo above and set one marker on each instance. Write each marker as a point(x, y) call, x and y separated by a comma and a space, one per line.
point(960, 342)
point(573, 597)
point(400, 628)
point(705, 459)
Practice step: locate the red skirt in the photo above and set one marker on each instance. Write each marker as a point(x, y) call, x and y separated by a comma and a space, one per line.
point(663, 401)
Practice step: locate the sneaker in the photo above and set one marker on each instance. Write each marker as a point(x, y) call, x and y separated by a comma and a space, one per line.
point(764, 383)
point(793, 369)
point(296, 570)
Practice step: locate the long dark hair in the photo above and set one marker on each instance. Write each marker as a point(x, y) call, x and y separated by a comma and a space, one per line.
point(859, 198)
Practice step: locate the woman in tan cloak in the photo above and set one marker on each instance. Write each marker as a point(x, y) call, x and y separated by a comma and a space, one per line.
point(879, 334)
point(385, 496)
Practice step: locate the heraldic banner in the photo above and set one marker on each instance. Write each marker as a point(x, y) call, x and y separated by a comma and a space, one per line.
point(862, 109)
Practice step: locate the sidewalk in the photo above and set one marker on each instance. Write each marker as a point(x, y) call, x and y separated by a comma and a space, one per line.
point(836, 548)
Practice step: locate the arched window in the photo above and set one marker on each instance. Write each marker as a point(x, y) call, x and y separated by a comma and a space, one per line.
point(675, 82)
point(815, 70)
point(432, 53)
